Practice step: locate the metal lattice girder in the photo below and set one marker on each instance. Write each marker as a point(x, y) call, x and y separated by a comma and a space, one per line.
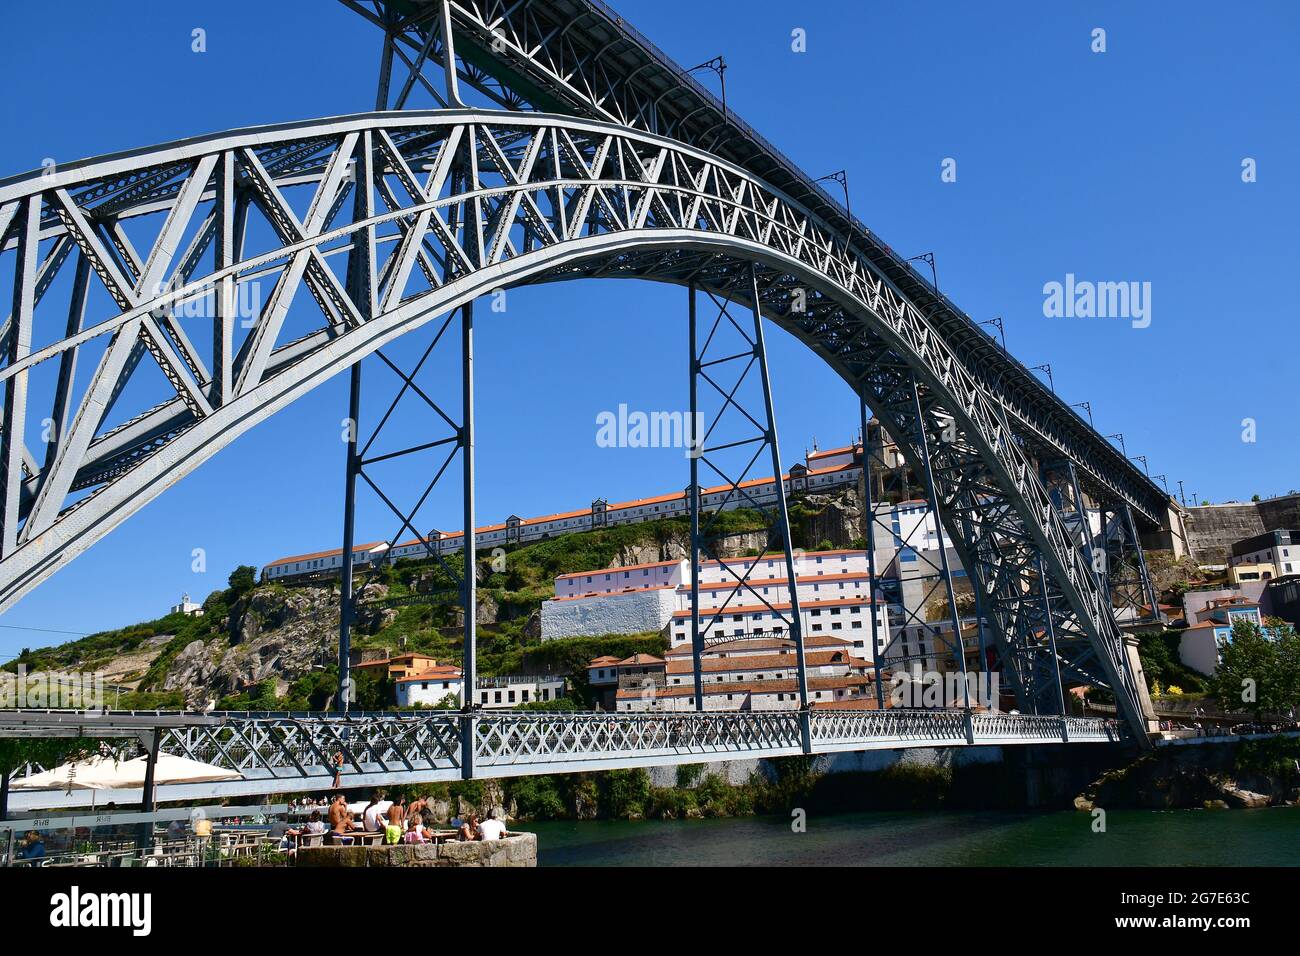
point(547, 198)
point(736, 444)
point(1126, 579)
point(288, 753)
point(580, 57)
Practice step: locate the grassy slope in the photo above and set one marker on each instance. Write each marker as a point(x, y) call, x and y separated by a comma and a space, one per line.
point(518, 589)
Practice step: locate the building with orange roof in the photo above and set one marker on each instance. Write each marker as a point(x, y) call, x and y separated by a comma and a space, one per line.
point(431, 686)
point(821, 471)
point(834, 587)
point(399, 666)
point(746, 695)
point(322, 562)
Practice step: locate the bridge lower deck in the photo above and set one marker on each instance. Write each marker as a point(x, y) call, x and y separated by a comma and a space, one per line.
point(292, 753)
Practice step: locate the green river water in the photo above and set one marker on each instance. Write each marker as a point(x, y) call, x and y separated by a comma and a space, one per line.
point(1268, 837)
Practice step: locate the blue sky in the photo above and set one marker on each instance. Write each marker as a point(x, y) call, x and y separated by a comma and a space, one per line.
point(1118, 166)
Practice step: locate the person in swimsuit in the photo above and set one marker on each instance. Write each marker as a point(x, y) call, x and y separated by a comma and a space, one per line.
point(340, 821)
point(396, 821)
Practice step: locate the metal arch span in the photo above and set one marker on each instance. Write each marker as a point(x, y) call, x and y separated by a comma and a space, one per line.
point(454, 204)
point(580, 57)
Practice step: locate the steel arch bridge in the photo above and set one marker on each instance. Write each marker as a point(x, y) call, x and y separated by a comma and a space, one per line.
point(414, 214)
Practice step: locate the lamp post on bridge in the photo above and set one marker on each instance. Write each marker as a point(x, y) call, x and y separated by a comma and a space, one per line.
point(1181, 497)
point(928, 257)
point(996, 322)
point(1120, 436)
point(842, 177)
point(1143, 459)
point(1087, 407)
point(1046, 367)
point(719, 66)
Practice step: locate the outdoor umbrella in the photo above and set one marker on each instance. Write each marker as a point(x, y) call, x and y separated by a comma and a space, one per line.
point(102, 773)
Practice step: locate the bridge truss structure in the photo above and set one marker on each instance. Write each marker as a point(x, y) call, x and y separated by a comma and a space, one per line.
point(296, 753)
point(595, 156)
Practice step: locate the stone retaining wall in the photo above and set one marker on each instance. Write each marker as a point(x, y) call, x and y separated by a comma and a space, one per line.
point(516, 849)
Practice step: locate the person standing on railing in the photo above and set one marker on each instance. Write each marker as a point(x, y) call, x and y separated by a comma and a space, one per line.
point(338, 770)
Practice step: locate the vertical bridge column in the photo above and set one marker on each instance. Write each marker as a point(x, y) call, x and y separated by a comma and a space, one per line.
point(469, 573)
point(736, 446)
point(1127, 580)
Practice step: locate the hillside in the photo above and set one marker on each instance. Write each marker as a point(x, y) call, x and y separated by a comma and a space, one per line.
point(274, 646)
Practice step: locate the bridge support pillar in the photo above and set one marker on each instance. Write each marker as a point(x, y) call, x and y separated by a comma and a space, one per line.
point(468, 727)
point(1050, 626)
point(1127, 579)
point(347, 597)
point(957, 644)
point(469, 568)
point(693, 502)
point(869, 541)
point(731, 362)
point(1133, 660)
point(149, 796)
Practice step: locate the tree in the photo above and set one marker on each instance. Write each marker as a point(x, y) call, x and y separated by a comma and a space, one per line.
point(1288, 655)
point(1251, 673)
point(243, 578)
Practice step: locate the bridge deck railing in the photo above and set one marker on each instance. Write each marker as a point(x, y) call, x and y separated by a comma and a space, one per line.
point(278, 753)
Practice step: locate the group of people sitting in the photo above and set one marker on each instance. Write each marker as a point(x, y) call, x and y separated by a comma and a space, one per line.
point(399, 822)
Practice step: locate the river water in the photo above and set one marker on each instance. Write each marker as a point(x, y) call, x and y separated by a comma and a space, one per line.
point(1269, 837)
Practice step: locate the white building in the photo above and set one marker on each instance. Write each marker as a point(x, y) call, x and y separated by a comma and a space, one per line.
point(756, 674)
point(322, 561)
point(834, 592)
point(1263, 557)
point(631, 577)
point(634, 611)
point(431, 687)
point(822, 471)
point(835, 599)
point(187, 607)
point(497, 693)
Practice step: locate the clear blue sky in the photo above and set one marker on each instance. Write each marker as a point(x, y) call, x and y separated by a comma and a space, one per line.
point(1117, 166)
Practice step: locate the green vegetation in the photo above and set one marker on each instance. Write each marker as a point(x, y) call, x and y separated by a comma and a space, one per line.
point(1159, 653)
point(701, 791)
point(1275, 757)
point(514, 581)
point(1259, 669)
